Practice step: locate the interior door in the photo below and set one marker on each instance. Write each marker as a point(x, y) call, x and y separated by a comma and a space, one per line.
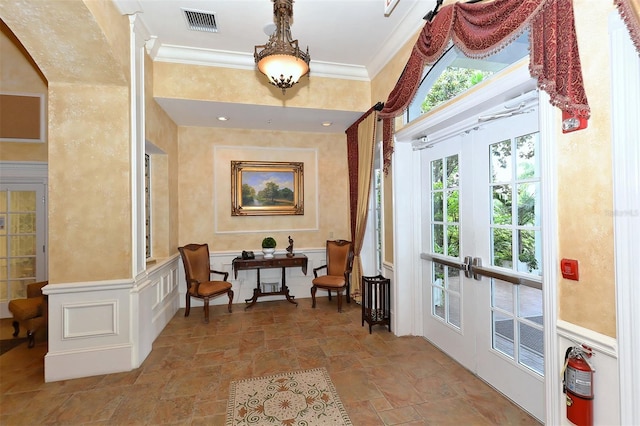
point(22, 240)
point(482, 253)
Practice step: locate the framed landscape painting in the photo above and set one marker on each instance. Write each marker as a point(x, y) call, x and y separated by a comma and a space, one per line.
point(267, 188)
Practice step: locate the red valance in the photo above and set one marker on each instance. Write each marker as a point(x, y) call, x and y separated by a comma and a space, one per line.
point(631, 18)
point(480, 30)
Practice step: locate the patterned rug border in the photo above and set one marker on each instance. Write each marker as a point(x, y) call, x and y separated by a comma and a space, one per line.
point(322, 370)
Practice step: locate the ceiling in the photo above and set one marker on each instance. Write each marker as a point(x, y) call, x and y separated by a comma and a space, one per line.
point(348, 39)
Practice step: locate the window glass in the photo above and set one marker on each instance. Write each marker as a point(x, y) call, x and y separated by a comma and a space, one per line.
point(454, 73)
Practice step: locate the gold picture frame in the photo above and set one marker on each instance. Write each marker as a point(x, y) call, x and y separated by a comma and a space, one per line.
point(267, 188)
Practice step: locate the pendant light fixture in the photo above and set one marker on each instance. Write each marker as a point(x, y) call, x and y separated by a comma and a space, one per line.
point(281, 59)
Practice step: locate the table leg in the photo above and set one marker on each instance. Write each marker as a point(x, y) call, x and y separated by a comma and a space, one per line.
point(285, 289)
point(256, 292)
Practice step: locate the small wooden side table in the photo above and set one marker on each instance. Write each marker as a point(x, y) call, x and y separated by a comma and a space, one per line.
point(277, 261)
point(376, 301)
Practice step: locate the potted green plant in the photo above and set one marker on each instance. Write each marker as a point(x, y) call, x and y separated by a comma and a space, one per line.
point(268, 247)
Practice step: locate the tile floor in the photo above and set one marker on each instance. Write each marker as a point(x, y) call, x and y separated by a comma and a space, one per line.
point(382, 379)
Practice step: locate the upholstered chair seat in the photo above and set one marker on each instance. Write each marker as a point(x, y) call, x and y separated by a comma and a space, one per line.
point(209, 288)
point(197, 270)
point(31, 312)
point(338, 267)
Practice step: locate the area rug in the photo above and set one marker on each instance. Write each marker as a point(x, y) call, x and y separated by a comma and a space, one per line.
point(8, 344)
point(290, 399)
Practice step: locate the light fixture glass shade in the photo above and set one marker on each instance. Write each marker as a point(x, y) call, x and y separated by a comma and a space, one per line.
point(283, 70)
point(281, 60)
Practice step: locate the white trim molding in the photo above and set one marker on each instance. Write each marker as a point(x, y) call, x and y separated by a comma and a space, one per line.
point(625, 128)
point(24, 171)
point(548, 116)
point(107, 327)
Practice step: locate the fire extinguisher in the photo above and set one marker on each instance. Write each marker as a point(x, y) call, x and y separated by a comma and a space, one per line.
point(578, 385)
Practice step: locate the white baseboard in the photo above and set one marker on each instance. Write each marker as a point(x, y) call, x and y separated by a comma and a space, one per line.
point(87, 362)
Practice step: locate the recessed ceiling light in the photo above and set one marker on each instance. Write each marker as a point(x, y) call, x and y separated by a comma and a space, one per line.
point(223, 118)
point(326, 123)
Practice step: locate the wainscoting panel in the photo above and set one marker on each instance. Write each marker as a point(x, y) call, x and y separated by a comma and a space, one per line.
point(108, 326)
point(89, 330)
point(90, 319)
point(606, 401)
point(157, 298)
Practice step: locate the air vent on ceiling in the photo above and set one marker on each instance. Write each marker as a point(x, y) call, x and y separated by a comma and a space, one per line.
point(201, 21)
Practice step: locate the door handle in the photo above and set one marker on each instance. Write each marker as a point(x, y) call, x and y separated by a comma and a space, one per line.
point(466, 266)
point(478, 271)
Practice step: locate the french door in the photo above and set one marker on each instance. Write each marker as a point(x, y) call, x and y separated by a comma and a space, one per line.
point(22, 240)
point(482, 252)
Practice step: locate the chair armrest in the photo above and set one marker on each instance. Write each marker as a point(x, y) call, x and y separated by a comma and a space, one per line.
point(347, 274)
point(226, 274)
point(193, 281)
point(35, 289)
point(315, 270)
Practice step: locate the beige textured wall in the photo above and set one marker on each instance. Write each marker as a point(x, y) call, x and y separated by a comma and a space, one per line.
point(89, 198)
point(89, 181)
point(162, 132)
point(182, 81)
point(204, 187)
point(18, 75)
point(585, 196)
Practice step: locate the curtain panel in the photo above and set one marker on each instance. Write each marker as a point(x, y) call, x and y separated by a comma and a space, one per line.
point(630, 12)
point(481, 29)
point(360, 148)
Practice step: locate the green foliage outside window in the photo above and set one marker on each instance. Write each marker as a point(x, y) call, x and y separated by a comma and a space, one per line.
point(452, 82)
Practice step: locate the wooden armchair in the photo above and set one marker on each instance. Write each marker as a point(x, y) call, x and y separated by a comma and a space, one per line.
point(32, 311)
point(195, 258)
point(337, 278)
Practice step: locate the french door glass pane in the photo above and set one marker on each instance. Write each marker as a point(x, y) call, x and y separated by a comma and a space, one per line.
point(503, 332)
point(527, 161)
point(445, 294)
point(453, 171)
point(516, 245)
point(531, 334)
point(23, 201)
point(502, 296)
point(529, 251)
point(438, 239)
point(18, 242)
point(437, 291)
point(454, 310)
point(501, 242)
point(437, 206)
point(445, 238)
point(528, 214)
point(531, 347)
point(22, 223)
point(436, 174)
point(502, 205)
point(453, 240)
point(501, 161)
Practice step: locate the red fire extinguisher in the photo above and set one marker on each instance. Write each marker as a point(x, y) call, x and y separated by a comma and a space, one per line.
point(578, 385)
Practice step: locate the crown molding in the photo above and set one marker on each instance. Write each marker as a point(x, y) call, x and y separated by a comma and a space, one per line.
point(237, 60)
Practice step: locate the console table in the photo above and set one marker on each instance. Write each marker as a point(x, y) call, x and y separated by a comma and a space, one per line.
point(278, 261)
